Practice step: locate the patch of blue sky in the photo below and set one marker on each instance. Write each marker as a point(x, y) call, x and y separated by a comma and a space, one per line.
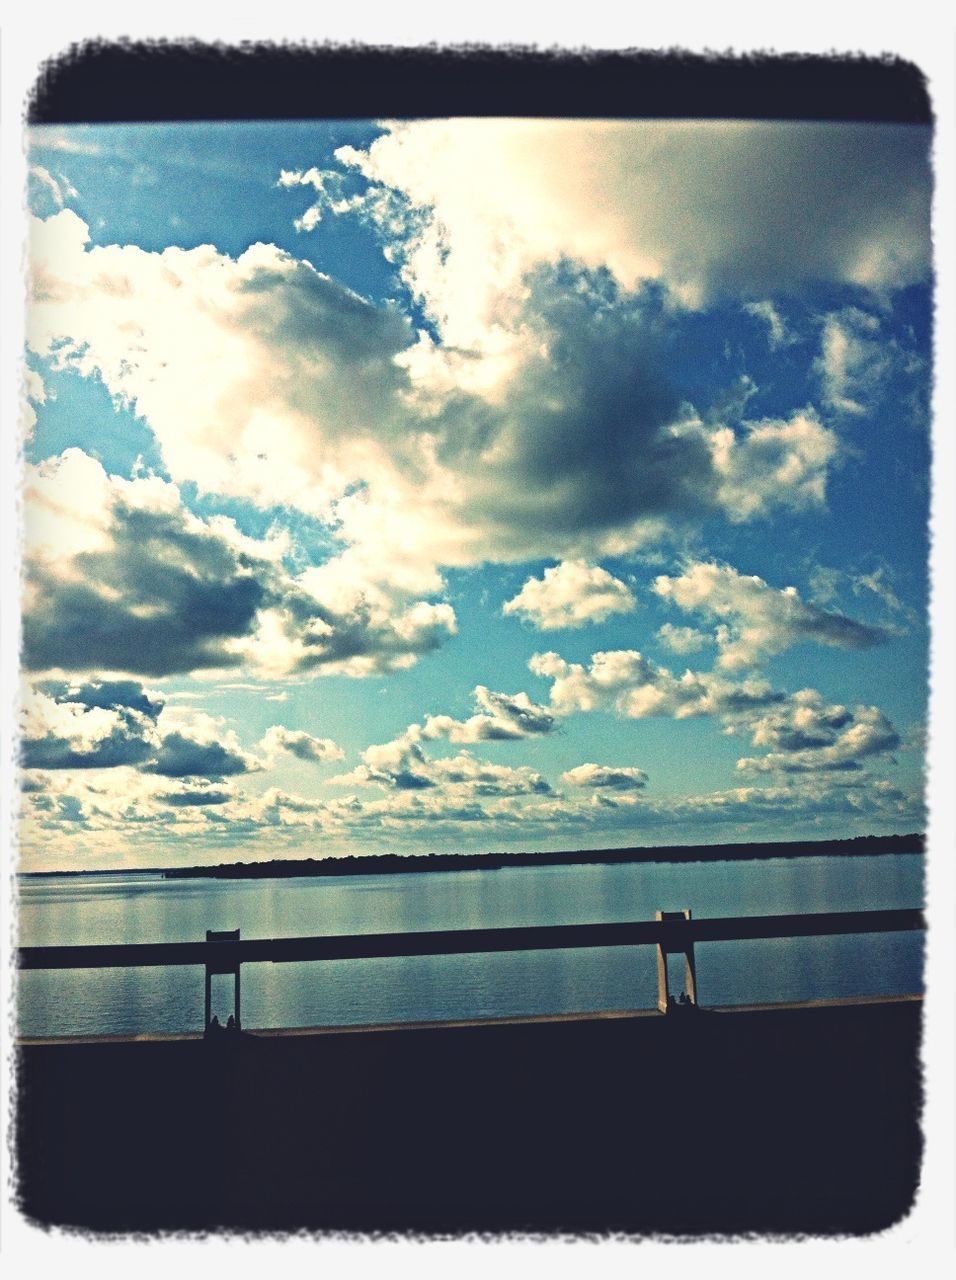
point(311, 541)
point(79, 412)
point(214, 183)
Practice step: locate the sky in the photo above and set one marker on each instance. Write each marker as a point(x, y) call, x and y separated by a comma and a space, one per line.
point(472, 484)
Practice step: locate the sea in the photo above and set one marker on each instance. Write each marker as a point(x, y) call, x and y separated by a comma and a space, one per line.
point(136, 906)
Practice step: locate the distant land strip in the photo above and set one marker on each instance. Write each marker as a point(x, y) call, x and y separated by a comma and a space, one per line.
point(391, 863)
point(364, 864)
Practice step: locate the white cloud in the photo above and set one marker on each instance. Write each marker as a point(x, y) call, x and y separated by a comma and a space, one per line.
point(617, 778)
point(402, 765)
point(811, 736)
point(879, 582)
point(746, 207)
point(501, 717)
point(779, 334)
point(87, 727)
point(682, 639)
point(571, 594)
point(300, 744)
point(854, 362)
point(119, 724)
point(774, 463)
point(58, 188)
point(626, 682)
point(265, 380)
point(803, 731)
point(260, 376)
point(827, 583)
point(755, 619)
point(122, 575)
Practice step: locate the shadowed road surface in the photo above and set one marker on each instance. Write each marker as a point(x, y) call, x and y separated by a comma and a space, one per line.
point(792, 1120)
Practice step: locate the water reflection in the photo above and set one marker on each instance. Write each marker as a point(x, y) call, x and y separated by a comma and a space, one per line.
point(148, 908)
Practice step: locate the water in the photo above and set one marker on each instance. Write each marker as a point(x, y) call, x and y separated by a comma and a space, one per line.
point(143, 907)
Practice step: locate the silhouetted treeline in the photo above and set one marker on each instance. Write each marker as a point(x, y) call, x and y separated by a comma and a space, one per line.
point(389, 863)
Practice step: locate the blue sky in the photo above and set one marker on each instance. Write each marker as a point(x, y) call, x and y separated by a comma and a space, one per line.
point(473, 485)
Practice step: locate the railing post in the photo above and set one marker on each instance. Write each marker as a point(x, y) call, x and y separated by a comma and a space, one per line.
point(675, 941)
point(215, 965)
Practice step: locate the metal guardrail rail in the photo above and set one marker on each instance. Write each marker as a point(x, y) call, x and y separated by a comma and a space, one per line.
point(672, 932)
point(463, 941)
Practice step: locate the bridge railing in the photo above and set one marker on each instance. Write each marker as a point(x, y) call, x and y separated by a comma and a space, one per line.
point(672, 933)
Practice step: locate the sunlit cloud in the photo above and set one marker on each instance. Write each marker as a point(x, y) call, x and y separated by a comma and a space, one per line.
point(571, 594)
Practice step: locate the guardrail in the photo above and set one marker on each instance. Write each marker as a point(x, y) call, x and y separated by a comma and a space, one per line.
point(671, 933)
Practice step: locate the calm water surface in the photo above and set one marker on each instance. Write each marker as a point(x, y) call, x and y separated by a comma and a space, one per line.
point(143, 907)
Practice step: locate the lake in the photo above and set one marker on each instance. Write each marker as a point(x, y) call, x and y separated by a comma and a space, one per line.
point(144, 907)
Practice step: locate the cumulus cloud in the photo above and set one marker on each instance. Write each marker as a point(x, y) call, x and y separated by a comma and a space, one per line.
point(300, 744)
point(619, 778)
point(469, 797)
point(180, 756)
point(188, 797)
point(774, 463)
point(757, 620)
point(625, 681)
point(257, 374)
point(808, 735)
point(561, 435)
point(402, 765)
point(803, 732)
point(571, 594)
point(482, 778)
point(705, 206)
point(120, 573)
point(33, 392)
point(501, 717)
point(809, 800)
point(98, 725)
point(682, 639)
point(112, 724)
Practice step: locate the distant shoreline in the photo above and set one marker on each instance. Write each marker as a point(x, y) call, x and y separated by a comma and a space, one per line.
point(393, 863)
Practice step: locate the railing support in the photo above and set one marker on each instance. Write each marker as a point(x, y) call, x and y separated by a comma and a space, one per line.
point(223, 966)
point(676, 940)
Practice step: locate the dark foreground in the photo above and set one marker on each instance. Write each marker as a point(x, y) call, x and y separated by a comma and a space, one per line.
point(786, 1120)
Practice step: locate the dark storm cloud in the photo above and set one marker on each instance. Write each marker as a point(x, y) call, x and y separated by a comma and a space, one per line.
point(183, 757)
point(108, 694)
point(158, 591)
point(125, 736)
point(331, 352)
point(584, 442)
point(159, 600)
point(124, 745)
point(342, 636)
point(838, 630)
point(807, 736)
point(187, 799)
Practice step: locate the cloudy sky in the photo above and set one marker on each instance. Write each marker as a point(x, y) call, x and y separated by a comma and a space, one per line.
point(475, 484)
